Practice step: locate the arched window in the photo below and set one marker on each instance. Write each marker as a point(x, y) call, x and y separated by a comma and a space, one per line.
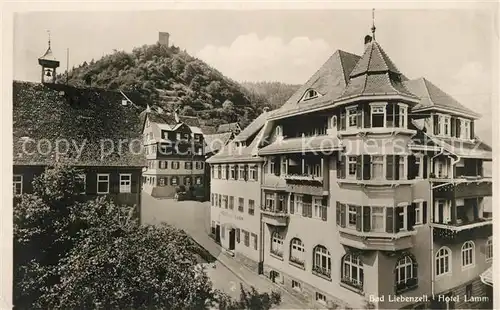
point(468, 257)
point(277, 244)
point(443, 261)
point(279, 131)
point(322, 262)
point(406, 273)
point(297, 252)
point(352, 271)
point(333, 122)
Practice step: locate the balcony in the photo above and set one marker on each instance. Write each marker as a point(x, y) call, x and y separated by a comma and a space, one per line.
point(381, 241)
point(462, 231)
point(274, 217)
point(305, 178)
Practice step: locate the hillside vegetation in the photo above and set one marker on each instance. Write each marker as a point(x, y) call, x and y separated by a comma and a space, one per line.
point(172, 79)
point(275, 93)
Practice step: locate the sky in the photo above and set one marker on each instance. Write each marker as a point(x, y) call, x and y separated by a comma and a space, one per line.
point(454, 49)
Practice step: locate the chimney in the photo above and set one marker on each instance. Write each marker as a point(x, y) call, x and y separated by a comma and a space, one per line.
point(368, 40)
point(265, 109)
point(163, 38)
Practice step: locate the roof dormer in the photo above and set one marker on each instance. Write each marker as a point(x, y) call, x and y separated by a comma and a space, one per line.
point(310, 94)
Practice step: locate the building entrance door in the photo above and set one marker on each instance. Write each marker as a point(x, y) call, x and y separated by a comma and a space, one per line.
point(232, 240)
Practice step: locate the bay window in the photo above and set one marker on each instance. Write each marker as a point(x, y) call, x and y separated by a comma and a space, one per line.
point(351, 217)
point(270, 201)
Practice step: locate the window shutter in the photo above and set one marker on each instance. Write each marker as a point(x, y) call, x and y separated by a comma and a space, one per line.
point(453, 127)
point(341, 167)
point(412, 169)
point(324, 216)
point(424, 163)
point(342, 120)
point(292, 204)
point(366, 218)
point(397, 219)
point(436, 124)
point(238, 235)
point(411, 217)
point(359, 226)
point(424, 212)
point(337, 214)
point(389, 174)
point(236, 171)
point(366, 167)
point(471, 129)
point(359, 167)
point(389, 220)
point(458, 124)
point(277, 165)
point(359, 121)
point(396, 167)
point(227, 173)
point(256, 172)
point(245, 174)
point(342, 215)
point(367, 113)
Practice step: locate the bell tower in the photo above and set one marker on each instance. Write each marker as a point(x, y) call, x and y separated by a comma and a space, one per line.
point(49, 65)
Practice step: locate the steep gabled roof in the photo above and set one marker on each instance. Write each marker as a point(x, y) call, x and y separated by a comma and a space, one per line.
point(253, 127)
point(208, 130)
point(228, 127)
point(82, 119)
point(432, 97)
point(215, 142)
point(168, 118)
point(375, 74)
point(329, 81)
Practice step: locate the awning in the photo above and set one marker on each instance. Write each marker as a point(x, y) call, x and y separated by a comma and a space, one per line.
point(487, 276)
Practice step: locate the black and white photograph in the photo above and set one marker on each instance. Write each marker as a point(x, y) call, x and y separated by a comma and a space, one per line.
point(237, 155)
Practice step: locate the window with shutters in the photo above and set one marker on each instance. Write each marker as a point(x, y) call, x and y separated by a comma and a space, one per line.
point(351, 166)
point(297, 252)
point(241, 173)
point(246, 236)
point(351, 217)
point(419, 213)
point(277, 244)
point(378, 167)
point(406, 274)
point(231, 202)
point(489, 249)
point(251, 207)
point(352, 117)
point(318, 208)
point(468, 254)
point(443, 261)
point(352, 271)
point(322, 262)
point(402, 218)
point(378, 219)
point(225, 201)
point(419, 168)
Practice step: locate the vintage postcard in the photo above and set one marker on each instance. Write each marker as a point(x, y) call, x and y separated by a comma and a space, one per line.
point(244, 155)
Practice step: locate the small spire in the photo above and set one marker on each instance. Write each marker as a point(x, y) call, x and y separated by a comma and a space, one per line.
point(373, 24)
point(48, 32)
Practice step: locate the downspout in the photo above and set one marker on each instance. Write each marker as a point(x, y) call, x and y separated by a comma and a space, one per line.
point(431, 234)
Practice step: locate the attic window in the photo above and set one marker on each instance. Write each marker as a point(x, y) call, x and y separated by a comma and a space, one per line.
point(310, 94)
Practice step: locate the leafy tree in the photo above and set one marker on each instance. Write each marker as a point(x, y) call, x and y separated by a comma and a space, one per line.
point(76, 254)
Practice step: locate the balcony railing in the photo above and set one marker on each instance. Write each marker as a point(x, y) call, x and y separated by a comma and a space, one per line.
point(303, 177)
point(274, 216)
point(352, 283)
point(381, 241)
point(480, 228)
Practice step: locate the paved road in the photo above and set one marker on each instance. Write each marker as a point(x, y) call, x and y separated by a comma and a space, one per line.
point(194, 218)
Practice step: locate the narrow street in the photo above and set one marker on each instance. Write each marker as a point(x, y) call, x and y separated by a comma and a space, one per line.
point(194, 218)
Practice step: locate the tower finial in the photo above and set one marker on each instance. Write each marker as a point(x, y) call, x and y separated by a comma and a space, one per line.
point(373, 24)
point(48, 33)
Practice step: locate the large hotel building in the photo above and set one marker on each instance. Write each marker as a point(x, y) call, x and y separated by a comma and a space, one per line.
point(363, 184)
